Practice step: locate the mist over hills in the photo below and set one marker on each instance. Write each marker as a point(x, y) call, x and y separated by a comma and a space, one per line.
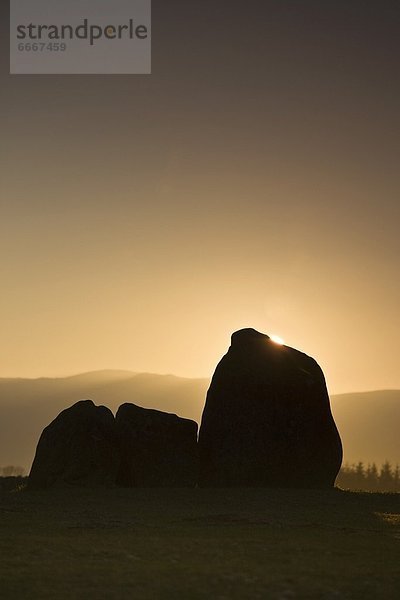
point(367, 421)
point(28, 405)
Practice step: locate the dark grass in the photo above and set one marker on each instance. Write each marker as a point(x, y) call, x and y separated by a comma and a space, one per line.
point(200, 544)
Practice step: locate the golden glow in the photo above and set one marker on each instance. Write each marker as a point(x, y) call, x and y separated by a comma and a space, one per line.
point(277, 340)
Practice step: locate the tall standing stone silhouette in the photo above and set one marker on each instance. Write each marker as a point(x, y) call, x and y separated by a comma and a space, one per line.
point(267, 419)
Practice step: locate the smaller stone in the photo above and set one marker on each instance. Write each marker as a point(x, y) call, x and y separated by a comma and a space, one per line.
point(78, 448)
point(157, 449)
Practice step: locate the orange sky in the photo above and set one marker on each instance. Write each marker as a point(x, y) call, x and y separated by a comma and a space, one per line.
point(252, 180)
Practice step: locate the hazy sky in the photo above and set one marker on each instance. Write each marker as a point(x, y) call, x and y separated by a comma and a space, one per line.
point(251, 180)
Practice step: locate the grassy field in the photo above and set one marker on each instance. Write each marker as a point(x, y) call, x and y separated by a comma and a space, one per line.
point(200, 544)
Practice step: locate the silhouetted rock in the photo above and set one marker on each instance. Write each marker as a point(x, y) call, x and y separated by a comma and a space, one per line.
point(157, 449)
point(78, 448)
point(267, 419)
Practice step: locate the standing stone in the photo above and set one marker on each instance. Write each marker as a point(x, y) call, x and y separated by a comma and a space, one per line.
point(267, 419)
point(78, 448)
point(157, 449)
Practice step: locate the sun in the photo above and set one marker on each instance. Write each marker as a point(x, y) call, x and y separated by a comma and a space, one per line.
point(277, 340)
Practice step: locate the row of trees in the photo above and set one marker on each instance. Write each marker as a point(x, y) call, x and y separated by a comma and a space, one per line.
point(12, 471)
point(353, 477)
point(369, 478)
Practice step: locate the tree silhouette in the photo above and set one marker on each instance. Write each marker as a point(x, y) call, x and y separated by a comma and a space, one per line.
point(370, 479)
point(12, 471)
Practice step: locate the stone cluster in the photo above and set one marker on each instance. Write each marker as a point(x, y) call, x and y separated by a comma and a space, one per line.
point(267, 422)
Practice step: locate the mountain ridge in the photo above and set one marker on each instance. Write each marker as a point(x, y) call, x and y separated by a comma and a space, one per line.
point(366, 420)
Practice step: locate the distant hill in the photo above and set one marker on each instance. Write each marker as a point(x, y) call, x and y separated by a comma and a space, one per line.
point(368, 421)
point(369, 424)
point(28, 405)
